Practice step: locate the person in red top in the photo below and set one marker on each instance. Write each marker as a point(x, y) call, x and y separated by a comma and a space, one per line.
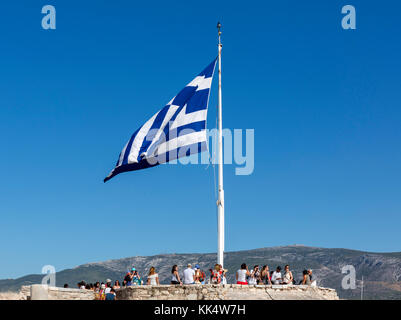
point(216, 274)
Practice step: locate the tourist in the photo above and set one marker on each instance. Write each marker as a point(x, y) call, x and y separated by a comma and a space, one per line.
point(116, 285)
point(153, 277)
point(102, 293)
point(108, 287)
point(242, 274)
point(265, 276)
point(97, 291)
point(189, 275)
point(305, 278)
point(200, 275)
point(310, 274)
point(136, 279)
point(224, 278)
point(111, 295)
point(128, 277)
point(312, 282)
point(288, 278)
point(197, 275)
point(216, 274)
point(132, 278)
point(254, 276)
point(276, 276)
point(65, 285)
point(175, 277)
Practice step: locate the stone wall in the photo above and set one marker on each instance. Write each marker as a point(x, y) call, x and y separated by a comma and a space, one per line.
point(44, 292)
point(187, 292)
point(226, 292)
point(25, 292)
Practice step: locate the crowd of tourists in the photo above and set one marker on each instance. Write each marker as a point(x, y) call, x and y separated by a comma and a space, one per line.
point(263, 276)
point(257, 276)
point(103, 290)
point(216, 275)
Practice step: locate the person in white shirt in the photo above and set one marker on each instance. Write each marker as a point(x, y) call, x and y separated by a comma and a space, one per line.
point(153, 277)
point(224, 278)
point(108, 287)
point(189, 275)
point(242, 274)
point(276, 276)
point(255, 276)
point(81, 285)
point(288, 277)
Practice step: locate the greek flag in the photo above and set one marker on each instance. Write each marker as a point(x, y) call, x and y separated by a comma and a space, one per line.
point(177, 130)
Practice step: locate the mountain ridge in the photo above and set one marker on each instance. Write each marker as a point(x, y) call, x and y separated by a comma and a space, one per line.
point(381, 271)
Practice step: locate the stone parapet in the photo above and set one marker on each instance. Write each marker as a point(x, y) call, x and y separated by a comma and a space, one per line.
point(44, 292)
point(187, 292)
point(226, 292)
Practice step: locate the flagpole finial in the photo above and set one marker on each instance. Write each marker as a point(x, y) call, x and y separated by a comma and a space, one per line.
point(218, 28)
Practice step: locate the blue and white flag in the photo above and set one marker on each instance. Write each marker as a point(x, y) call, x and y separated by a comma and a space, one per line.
point(177, 130)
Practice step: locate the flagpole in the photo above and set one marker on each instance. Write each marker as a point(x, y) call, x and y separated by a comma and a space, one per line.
point(220, 202)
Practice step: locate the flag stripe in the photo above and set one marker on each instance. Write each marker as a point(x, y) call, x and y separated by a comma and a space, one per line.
point(181, 141)
point(134, 151)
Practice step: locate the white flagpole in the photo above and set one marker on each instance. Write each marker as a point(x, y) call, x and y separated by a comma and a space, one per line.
point(220, 202)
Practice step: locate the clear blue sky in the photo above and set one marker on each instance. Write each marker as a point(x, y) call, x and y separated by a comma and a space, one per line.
point(324, 103)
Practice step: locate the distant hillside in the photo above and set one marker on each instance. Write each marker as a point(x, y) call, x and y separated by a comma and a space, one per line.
point(381, 271)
